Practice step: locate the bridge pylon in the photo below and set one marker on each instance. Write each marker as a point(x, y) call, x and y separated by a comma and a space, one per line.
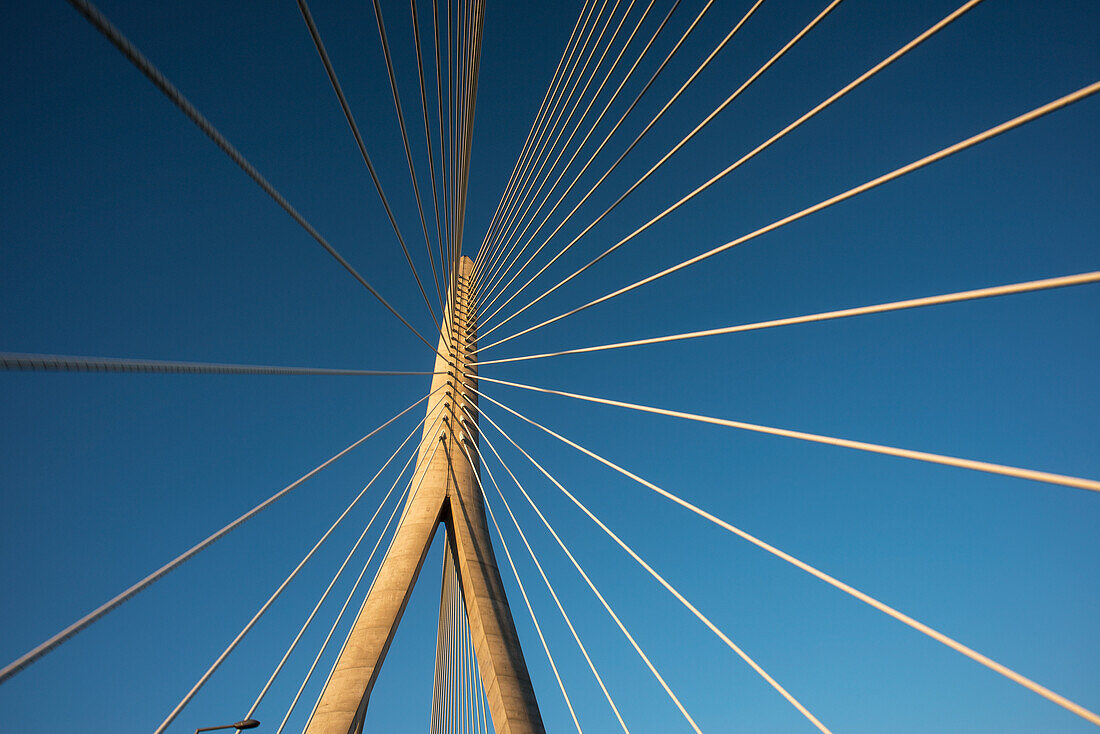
point(448, 495)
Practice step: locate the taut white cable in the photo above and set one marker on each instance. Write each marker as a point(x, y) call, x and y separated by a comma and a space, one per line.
point(488, 298)
point(1000, 290)
point(515, 572)
point(560, 101)
point(983, 466)
point(529, 198)
point(671, 589)
point(607, 607)
point(921, 38)
point(611, 133)
point(647, 128)
point(31, 656)
point(438, 440)
point(550, 89)
point(549, 102)
point(981, 137)
point(557, 601)
point(865, 598)
point(347, 559)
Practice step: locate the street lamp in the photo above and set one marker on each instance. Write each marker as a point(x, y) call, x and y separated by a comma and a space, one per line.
point(246, 724)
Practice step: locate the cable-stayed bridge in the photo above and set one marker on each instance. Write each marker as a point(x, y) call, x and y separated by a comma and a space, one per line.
point(596, 293)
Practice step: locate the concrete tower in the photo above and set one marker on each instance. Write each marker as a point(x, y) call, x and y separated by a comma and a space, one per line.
point(448, 494)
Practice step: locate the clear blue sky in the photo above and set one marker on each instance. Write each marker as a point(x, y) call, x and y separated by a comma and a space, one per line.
point(124, 232)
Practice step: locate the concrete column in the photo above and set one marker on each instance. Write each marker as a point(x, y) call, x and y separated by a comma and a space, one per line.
point(448, 493)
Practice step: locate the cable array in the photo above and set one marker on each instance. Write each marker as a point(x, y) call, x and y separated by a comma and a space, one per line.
point(458, 698)
point(599, 68)
point(882, 607)
point(96, 614)
point(1030, 116)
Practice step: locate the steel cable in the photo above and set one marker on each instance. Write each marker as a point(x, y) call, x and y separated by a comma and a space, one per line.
point(33, 655)
point(958, 297)
point(549, 586)
point(865, 598)
point(992, 132)
point(736, 93)
point(484, 249)
point(575, 97)
point(921, 38)
point(488, 297)
point(123, 44)
point(982, 466)
point(347, 559)
point(17, 362)
point(523, 592)
point(607, 607)
point(671, 589)
point(629, 148)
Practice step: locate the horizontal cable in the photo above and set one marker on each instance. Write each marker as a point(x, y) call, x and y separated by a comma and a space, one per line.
point(982, 466)
point(13, 361)
point(671, 589)
point(890, 611)
point(1001, 290)
point(607, 607)
point(33, 655)
point(123, 44)
point(992, 132)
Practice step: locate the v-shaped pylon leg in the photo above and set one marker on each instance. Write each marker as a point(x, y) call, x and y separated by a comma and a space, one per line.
point(446, 490)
